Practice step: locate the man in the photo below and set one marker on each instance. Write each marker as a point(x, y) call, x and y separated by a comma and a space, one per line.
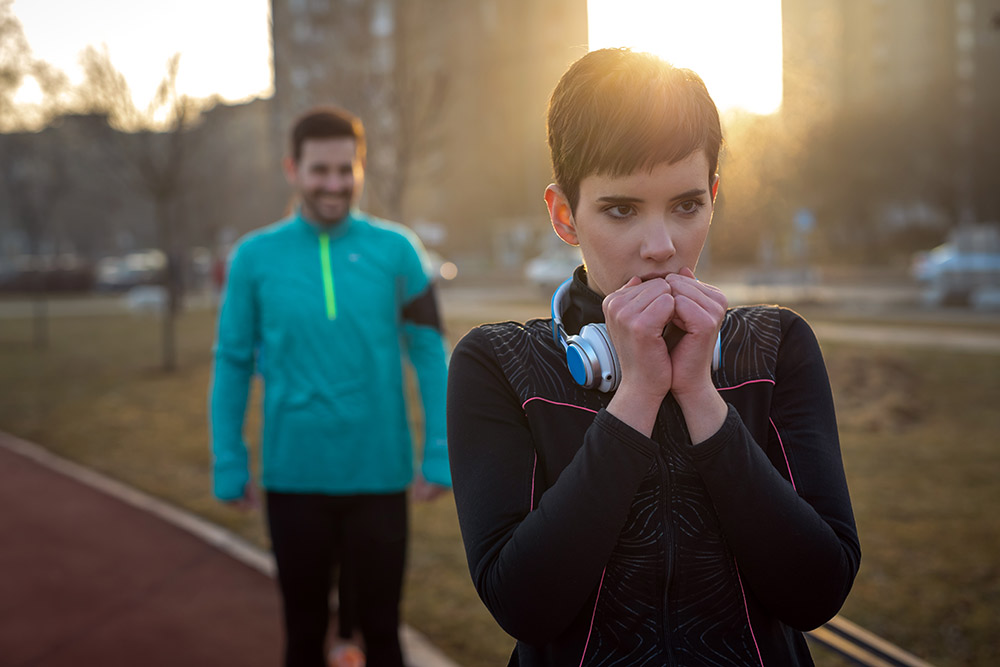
point(324, 305)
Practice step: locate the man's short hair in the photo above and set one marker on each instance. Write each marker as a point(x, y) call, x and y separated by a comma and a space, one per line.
point(615, 111)
point(327, 122)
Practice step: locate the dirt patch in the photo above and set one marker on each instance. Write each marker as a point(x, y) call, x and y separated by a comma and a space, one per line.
point(877, 393)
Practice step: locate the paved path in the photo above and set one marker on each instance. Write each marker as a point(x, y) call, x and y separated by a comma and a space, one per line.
point(93, 572)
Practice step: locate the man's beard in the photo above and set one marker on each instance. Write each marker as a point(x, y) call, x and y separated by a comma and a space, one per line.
point(317, 206)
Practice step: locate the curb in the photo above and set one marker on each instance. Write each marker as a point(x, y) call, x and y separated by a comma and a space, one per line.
point(420, 652)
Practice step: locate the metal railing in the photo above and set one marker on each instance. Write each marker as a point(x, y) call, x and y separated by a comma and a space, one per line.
point(862, 647)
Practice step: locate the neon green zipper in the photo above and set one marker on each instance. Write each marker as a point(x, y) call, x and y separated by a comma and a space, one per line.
point(324, 258)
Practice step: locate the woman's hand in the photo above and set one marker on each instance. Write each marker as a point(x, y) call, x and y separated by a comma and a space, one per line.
point(635, 316)
point(699, 310)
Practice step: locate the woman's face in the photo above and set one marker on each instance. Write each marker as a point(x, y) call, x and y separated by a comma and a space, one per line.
point(647, 224)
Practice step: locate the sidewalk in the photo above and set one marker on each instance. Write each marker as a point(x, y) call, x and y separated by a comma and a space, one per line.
point(95, 573)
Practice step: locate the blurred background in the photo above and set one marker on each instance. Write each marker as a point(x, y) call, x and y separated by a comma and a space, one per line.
point(860, 185)
point(858, 132)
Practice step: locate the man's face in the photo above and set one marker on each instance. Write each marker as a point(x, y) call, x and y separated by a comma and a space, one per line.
point(646, 224)
point(326, 177)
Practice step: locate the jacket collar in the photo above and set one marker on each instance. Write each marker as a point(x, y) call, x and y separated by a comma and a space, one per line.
point(584, 304)
point(335, 230)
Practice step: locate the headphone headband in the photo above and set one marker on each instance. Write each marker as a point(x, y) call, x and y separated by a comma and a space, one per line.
point(560, 299)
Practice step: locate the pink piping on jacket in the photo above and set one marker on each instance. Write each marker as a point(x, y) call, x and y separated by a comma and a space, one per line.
point(787, 464)
point(567, 405)
point(781, 443)
point(531, 500)
point(747, 608)
point(593, 615)
point(534, 466)
point(590, 630)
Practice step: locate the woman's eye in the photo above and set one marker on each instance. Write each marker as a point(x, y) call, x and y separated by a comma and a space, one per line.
point(689, 206)
point(619, 211)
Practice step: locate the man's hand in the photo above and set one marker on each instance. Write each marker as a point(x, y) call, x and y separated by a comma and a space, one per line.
point(423, 491)
point(249, 501)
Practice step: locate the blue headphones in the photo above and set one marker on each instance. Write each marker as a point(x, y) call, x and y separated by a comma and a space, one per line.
point(590, 355)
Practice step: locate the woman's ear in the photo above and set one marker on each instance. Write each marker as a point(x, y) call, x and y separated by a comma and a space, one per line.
point(715, 187)
point(561, 215)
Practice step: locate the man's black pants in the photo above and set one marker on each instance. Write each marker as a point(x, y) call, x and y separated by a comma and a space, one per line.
point(365, 535)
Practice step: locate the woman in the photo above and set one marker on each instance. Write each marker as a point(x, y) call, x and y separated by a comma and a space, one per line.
point(625, 501)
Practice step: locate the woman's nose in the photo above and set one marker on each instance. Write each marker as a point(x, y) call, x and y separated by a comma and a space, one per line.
point(657, 242)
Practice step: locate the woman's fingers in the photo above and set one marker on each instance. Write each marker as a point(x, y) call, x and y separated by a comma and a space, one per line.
point(698, 306)
point(640, 306)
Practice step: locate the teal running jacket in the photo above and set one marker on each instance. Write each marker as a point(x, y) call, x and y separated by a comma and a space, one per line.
point(326, 317)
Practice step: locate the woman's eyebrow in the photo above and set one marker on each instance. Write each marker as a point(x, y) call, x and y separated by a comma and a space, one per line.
point(693, 192)
point(628, 199)
point(615, 199)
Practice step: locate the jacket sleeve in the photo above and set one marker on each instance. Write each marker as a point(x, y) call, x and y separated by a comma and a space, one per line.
point(235, 347)
point(534, 567)
point(425, 346)
point(795, 543)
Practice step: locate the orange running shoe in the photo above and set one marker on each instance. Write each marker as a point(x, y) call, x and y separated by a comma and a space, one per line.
point(346, 655)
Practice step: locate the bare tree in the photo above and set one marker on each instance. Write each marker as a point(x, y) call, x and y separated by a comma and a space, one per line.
point(15, 64)
point(35, 177)
point(33, 170)
point(154, 144)
point(412, 95)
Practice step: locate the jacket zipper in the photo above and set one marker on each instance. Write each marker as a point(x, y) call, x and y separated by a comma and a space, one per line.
point(328, 293)
point(668, 532)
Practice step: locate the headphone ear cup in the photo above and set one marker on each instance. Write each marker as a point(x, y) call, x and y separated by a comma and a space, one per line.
point(582, 362)
point(592, 360)
point(590, 355)
point(611, 370)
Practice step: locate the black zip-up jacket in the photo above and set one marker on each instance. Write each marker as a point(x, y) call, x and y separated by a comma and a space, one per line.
point(592, 544)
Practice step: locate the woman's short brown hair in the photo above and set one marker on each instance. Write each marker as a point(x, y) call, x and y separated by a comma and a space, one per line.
point(615, 111)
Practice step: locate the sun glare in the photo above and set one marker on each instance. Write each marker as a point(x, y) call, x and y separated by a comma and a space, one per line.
point(224, 44)
point(734, 45)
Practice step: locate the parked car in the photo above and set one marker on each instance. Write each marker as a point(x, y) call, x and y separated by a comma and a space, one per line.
point(961, 270)
point(146, 299)
point(551, 269)
point(46, 273)
point(120, 274)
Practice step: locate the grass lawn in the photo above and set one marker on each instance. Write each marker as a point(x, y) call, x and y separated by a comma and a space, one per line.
point(918, 429)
